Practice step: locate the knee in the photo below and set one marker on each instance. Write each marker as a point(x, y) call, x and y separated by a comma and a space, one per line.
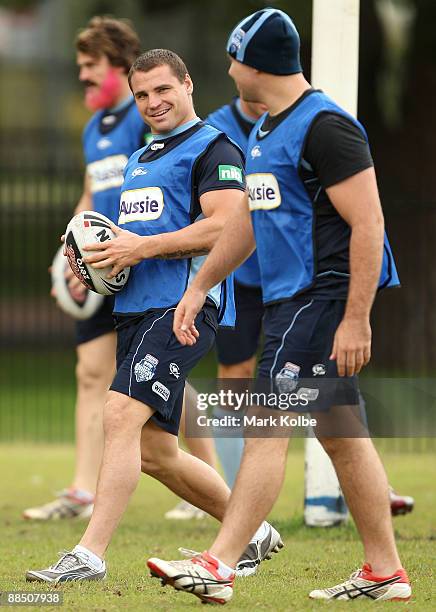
point(332, 445)
point(157, 462)
point(244, 369)
point(91, 375)
point(118, 417)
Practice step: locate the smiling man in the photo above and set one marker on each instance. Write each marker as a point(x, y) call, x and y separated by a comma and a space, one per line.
point(177, 194)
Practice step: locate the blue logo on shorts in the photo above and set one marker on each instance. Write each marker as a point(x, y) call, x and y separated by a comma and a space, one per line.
point(146, 368)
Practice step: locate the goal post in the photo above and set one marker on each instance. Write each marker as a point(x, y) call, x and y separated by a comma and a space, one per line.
point(335, 70)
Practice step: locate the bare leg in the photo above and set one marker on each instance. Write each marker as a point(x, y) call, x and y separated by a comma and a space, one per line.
point(245, 369)
point(203, 448)
point(123, 420)
point(365, 486)
point(257, 487)
point(187, 476)
point(94, 372)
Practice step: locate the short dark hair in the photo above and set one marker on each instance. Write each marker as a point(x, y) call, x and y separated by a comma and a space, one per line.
point(159, 57)
point(112, 37)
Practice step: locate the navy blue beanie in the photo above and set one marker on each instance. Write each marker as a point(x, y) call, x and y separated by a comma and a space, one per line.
point(267, 40)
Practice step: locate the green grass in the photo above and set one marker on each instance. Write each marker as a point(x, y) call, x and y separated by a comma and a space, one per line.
point(310, 558)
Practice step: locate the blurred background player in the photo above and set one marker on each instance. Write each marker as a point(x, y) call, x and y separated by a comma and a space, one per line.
point(237, 348)
point(106, 48)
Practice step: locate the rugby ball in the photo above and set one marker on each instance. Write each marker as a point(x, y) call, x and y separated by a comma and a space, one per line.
point(77, 310)
point(88, 227)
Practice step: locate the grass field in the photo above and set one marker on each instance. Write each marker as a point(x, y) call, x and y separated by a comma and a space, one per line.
point(310, 558)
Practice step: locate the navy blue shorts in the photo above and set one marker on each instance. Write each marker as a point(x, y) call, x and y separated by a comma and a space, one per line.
point(152, 365)
point(241, 343)
point(102, 322)
point(299, 338)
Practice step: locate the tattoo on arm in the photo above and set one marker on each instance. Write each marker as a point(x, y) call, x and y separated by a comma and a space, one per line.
point(183, 254)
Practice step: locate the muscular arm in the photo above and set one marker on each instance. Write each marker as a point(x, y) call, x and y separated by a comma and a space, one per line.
point(200, 237)
point(196, 239)
point(357, 201)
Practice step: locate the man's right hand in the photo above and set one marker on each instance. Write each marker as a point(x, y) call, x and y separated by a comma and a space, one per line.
point(189, 306)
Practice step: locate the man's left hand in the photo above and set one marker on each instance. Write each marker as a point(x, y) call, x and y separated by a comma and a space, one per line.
point(352, 346)
point(126, 249)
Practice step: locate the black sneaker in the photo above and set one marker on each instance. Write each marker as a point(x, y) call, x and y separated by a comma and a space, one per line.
point(71, 566)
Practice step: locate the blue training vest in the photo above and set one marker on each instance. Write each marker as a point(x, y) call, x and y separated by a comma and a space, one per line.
point(282, 212)
point(157, 197)
point(106, 156)
point(224, 119)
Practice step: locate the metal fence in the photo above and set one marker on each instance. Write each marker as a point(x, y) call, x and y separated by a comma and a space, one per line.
point(41, 180)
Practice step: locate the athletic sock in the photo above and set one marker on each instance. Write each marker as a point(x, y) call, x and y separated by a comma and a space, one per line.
point(224, 570)
point(229, 450)
point(261, 532)
point(93, 559)
point(82, 496)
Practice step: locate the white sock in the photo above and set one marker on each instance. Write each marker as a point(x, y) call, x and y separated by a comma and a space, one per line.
point(224, 570)
point(93, 559)
point(261, 532)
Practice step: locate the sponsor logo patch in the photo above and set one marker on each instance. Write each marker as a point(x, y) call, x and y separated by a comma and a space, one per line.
point(174, 370)
point(161, 390)
point(263, 191)
point(104, 143)
point(109, 119)
point(256, 152)
point(145, 369)
point(319, 369)
point(157, 146)
point(310, 394)
point(230, 173)
point(236, 40)
point(144, 204)
point(139, 172)
point(106, 173)
point(287, 378)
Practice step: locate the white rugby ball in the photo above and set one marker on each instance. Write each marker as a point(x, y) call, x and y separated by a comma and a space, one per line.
point(88, 227)
point(77, 310)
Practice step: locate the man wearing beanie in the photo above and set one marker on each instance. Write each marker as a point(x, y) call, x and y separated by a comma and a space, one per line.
point(317, 222)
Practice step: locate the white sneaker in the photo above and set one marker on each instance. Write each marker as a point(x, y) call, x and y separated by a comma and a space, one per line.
point(185, 511)
point(66, 506)
point(364, 584)
point(198, 576)
point(70, 567)
point(259, 550)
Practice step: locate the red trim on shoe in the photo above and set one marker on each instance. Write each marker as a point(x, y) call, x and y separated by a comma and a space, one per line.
point(366, 574)
point(211, 564)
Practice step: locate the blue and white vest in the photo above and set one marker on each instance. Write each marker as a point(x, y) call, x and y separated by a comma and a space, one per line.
point(282, 212)
point(106, 156)
point(157, 197)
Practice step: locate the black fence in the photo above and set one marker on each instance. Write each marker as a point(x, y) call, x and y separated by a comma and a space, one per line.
point(41, 181)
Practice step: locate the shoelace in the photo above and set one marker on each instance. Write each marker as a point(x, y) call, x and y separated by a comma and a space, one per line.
point(67, 561)
point(346, 583)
